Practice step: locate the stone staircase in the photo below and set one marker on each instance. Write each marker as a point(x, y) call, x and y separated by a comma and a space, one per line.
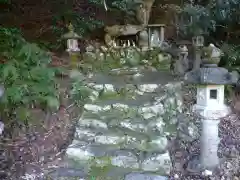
point(123, 131)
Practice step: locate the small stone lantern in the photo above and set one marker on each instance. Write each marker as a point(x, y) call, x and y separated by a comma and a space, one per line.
point(72, 45)
point(210, 80)
point(72, 40)
point(181, 65)
point(198, 43)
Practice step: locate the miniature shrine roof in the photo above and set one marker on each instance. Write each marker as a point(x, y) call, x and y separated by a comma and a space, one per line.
point(156, 25)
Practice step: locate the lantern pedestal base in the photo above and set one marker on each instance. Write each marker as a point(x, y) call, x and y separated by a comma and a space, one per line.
point(75, 50)
point(210, 117)
point(194, 165)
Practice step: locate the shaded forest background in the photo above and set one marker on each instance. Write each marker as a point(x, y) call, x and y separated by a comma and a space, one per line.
point(45, 21)
point(24, 22)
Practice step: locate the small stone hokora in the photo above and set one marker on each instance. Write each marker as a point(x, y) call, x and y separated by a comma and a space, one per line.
point(155, 40)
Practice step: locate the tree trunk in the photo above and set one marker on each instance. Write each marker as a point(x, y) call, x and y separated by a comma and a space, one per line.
point(143, 12)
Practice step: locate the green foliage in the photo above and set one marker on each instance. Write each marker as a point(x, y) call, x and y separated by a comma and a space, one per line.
point(109, 59)
point(127, 6)
point(27, 79)
point(231, 58)
point(4, 1)
point(218, 21)
point(202, 18)
point(81, 24)
point(197, 20)
point(80, 93)
point(158, 59)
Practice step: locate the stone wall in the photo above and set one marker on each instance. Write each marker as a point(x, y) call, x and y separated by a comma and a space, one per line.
point(125, 127)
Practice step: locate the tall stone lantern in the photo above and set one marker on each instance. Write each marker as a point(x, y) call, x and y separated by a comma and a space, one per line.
point(198, 43)
point(72, 45)
point(210, 80)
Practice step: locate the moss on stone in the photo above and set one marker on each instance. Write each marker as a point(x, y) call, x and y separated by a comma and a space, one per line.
point(122, 94)
point(125, 57)
point(102, 169)
point(170, 128)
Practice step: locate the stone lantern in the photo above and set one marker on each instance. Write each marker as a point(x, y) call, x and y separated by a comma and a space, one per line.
point(72, 40)
point(210, 80)
point(72, 45)
point(2, 90)
point(181, 65)
point(198, 42)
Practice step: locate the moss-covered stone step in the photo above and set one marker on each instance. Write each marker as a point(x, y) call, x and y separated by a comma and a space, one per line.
point(144, 176)
point(125, 158)
point(112, 135)
point(131, 109)
point(109, 172)
point(127, 122)
point(136, 79)
point(125, 91)
point(123, 138)
point(153, 127)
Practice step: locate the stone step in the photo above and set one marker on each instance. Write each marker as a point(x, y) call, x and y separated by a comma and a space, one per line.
point(110, 87)
point(144, 176)
point(135, 78)
point(142, 108)
point(113, 135)
point(127, 91)
point(100, 155)
point(152, 127)
point(111, 173)
point(121, 137)
point(146, 112)
point(135, 100)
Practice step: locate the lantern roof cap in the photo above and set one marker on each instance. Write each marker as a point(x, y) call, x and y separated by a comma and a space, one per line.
point(71, 34)
point(211, 74)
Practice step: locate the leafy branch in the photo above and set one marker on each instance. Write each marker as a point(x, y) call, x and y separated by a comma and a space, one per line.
point(28, 80)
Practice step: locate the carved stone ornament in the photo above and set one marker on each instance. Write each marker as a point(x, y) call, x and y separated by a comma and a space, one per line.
point(211, 54)
point(143, 38)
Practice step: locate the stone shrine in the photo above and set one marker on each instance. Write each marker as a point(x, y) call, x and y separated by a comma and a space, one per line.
point(155, 35)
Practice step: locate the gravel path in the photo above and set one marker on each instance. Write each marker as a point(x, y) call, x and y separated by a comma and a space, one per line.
point(229, 149)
